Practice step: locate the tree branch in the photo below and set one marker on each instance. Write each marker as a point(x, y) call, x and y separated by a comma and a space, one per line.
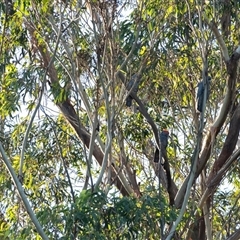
point(235, 236)
point(220, 40)
point(171, 187)
point(22, 194)
point(224, 161)
point(71, 116)
point(216, 126)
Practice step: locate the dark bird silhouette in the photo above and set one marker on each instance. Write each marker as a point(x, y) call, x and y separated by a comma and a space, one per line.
point(200, 93)
point(164, 143)
point(132, 86)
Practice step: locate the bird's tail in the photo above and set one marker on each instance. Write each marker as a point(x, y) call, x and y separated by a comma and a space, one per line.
point(129, 101)
point(156, 155)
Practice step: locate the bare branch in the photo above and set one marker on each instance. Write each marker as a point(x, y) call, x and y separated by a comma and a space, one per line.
point(220, 40)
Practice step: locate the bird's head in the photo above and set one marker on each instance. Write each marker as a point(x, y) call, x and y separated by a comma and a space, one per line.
point(165, 131)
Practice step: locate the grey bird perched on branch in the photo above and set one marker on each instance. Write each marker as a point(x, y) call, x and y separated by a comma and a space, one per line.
point(132, 86)
point(164, 143)
point(200, 93)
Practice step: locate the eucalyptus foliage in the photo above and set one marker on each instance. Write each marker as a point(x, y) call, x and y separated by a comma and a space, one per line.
point(76, 162)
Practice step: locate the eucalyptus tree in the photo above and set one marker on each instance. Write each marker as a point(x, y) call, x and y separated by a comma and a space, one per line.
point(87, 170)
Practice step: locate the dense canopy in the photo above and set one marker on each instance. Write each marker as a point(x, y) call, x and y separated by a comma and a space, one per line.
point(77, 159)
